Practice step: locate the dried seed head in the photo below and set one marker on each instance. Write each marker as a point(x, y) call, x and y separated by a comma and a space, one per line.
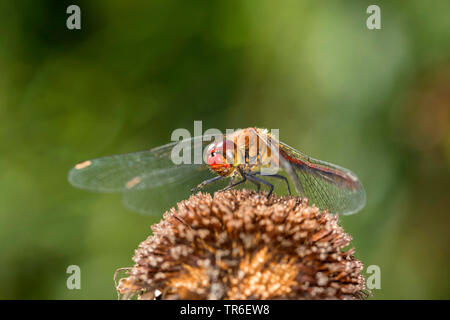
point(241, 245)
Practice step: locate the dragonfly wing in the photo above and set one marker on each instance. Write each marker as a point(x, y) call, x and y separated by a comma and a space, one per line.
point(111, 174)
point(151, 197)
point(326, 185)
point(149, 180)
point(119, 172)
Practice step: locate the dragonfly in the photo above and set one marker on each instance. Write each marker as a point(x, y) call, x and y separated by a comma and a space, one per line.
point(152, 179)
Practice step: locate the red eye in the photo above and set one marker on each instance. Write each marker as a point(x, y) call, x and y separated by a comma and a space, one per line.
point(211, 149)
point(211, 155)
point(216, 156)
point(215, 160)
point(226, 148)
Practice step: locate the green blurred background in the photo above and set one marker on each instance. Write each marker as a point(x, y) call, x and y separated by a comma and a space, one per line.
point(374, 101)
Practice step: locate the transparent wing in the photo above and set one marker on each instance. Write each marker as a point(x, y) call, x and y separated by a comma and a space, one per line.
point(119, 172)
point(139, 174)
point(326, 185)
point(177, 187)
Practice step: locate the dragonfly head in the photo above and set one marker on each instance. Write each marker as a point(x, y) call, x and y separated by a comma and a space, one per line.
point(220, 157)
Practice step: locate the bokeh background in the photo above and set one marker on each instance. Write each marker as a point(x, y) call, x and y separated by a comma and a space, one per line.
point(377, 102)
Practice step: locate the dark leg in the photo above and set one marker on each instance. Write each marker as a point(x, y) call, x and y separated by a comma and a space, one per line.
point(204, 183)
point(232, 184)
point(278, 176)
point(259, 180)
point(232, 180)
point(257, 184)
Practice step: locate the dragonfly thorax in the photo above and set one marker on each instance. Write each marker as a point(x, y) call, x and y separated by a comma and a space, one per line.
point(243, 149)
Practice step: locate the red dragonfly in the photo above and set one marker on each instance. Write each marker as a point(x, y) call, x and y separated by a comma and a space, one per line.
point(252, 155)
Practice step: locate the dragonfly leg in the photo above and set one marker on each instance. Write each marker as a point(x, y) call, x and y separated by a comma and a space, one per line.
point(279, 176)
point(204, 183)
point(257, 184)
point(234, 184)
point(259, 180)
point(232, 180)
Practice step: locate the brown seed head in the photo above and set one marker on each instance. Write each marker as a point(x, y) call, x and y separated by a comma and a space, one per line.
point(241, 245)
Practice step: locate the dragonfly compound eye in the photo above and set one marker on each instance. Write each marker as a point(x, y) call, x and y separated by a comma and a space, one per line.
point(227, 148)
point(210, 149)
point(219, 154)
